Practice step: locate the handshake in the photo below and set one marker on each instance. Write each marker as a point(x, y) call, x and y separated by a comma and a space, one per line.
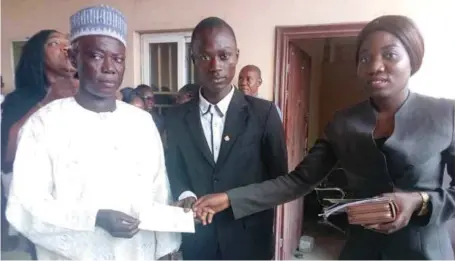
point(205, 207)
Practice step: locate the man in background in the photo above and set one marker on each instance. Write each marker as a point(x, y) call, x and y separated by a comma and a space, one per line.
point(250, 80)
point(147, 94)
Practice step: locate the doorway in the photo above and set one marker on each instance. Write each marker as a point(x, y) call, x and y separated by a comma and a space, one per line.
point(304, 58)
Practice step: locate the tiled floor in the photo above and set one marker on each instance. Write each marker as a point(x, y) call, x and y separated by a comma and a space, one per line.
point(327, 245)
point(15, 255)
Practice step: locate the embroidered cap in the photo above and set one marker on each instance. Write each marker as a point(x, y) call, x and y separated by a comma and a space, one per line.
point(99, 20)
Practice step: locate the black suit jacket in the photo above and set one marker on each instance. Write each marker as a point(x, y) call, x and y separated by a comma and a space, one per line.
point(254, 152)
point(413, 159)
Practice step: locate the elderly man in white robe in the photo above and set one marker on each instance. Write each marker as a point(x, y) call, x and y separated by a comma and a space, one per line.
point(84, 171)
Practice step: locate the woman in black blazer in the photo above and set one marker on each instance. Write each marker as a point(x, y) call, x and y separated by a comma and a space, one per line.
point(397, 143)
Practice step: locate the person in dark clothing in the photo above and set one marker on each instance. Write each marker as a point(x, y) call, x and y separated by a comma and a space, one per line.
point(187, 93)
point(250, 80)
point(126, 93)
point(222, 139)
point(397, 144)
point(146, 93)
point(44, 73)
point(134, 99)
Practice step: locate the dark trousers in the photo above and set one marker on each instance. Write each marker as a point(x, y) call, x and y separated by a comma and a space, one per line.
point(194, 249)
point(4, 221)
point(32, 250)
point(5, 227)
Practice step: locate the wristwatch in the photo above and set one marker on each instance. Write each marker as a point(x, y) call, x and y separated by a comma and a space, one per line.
point(425, 201)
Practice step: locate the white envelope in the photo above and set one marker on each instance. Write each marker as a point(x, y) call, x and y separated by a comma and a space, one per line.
point(164, 218)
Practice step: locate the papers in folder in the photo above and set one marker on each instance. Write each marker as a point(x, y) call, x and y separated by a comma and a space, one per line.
point(164, 218)
point(340, 205)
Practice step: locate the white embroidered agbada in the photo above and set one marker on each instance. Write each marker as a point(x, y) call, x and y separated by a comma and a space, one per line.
point(70, 163)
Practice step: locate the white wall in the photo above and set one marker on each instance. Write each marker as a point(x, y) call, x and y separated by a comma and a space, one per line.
point(254, 22)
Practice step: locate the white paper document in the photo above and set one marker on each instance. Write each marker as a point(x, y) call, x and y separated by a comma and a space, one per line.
point(164, 218)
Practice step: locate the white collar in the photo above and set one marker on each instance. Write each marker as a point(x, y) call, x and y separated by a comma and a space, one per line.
point(222, 105)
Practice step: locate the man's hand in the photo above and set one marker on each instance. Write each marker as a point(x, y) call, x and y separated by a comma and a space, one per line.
point(204, 215)
point(117, 223)
point(407, 203)
point(186, 203)
point(207, 206)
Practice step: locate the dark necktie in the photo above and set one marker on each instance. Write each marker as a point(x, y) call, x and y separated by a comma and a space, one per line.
point(211, 130)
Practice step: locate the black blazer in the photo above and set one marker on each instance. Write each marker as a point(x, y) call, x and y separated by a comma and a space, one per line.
point(414, 158)
point(255, 152)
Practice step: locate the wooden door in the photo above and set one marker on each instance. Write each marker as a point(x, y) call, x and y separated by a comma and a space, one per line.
point(289, 216)
point(452, 233)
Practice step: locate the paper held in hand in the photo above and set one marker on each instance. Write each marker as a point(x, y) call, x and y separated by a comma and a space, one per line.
point(340, 205)
point(164, 218)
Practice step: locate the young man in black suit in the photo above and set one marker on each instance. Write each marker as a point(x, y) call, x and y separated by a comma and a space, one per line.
point(220, 140)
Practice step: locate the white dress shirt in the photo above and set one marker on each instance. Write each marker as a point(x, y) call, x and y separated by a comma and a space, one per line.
point(213, 117)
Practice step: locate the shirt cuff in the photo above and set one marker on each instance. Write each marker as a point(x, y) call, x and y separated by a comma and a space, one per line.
point(187, 194)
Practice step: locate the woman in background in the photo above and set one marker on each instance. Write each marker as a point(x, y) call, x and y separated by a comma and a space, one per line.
point(44, 73)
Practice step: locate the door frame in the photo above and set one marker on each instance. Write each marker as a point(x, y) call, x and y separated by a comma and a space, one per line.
point(284, 35)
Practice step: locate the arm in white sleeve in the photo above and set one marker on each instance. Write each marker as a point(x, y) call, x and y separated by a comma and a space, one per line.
point(156, 189)
point(187, 194)
point(32, 210)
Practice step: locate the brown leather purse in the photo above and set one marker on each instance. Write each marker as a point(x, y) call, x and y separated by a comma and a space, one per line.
point(369, 213)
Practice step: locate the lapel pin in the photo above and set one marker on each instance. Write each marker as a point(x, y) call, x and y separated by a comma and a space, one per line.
point(226, 138)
